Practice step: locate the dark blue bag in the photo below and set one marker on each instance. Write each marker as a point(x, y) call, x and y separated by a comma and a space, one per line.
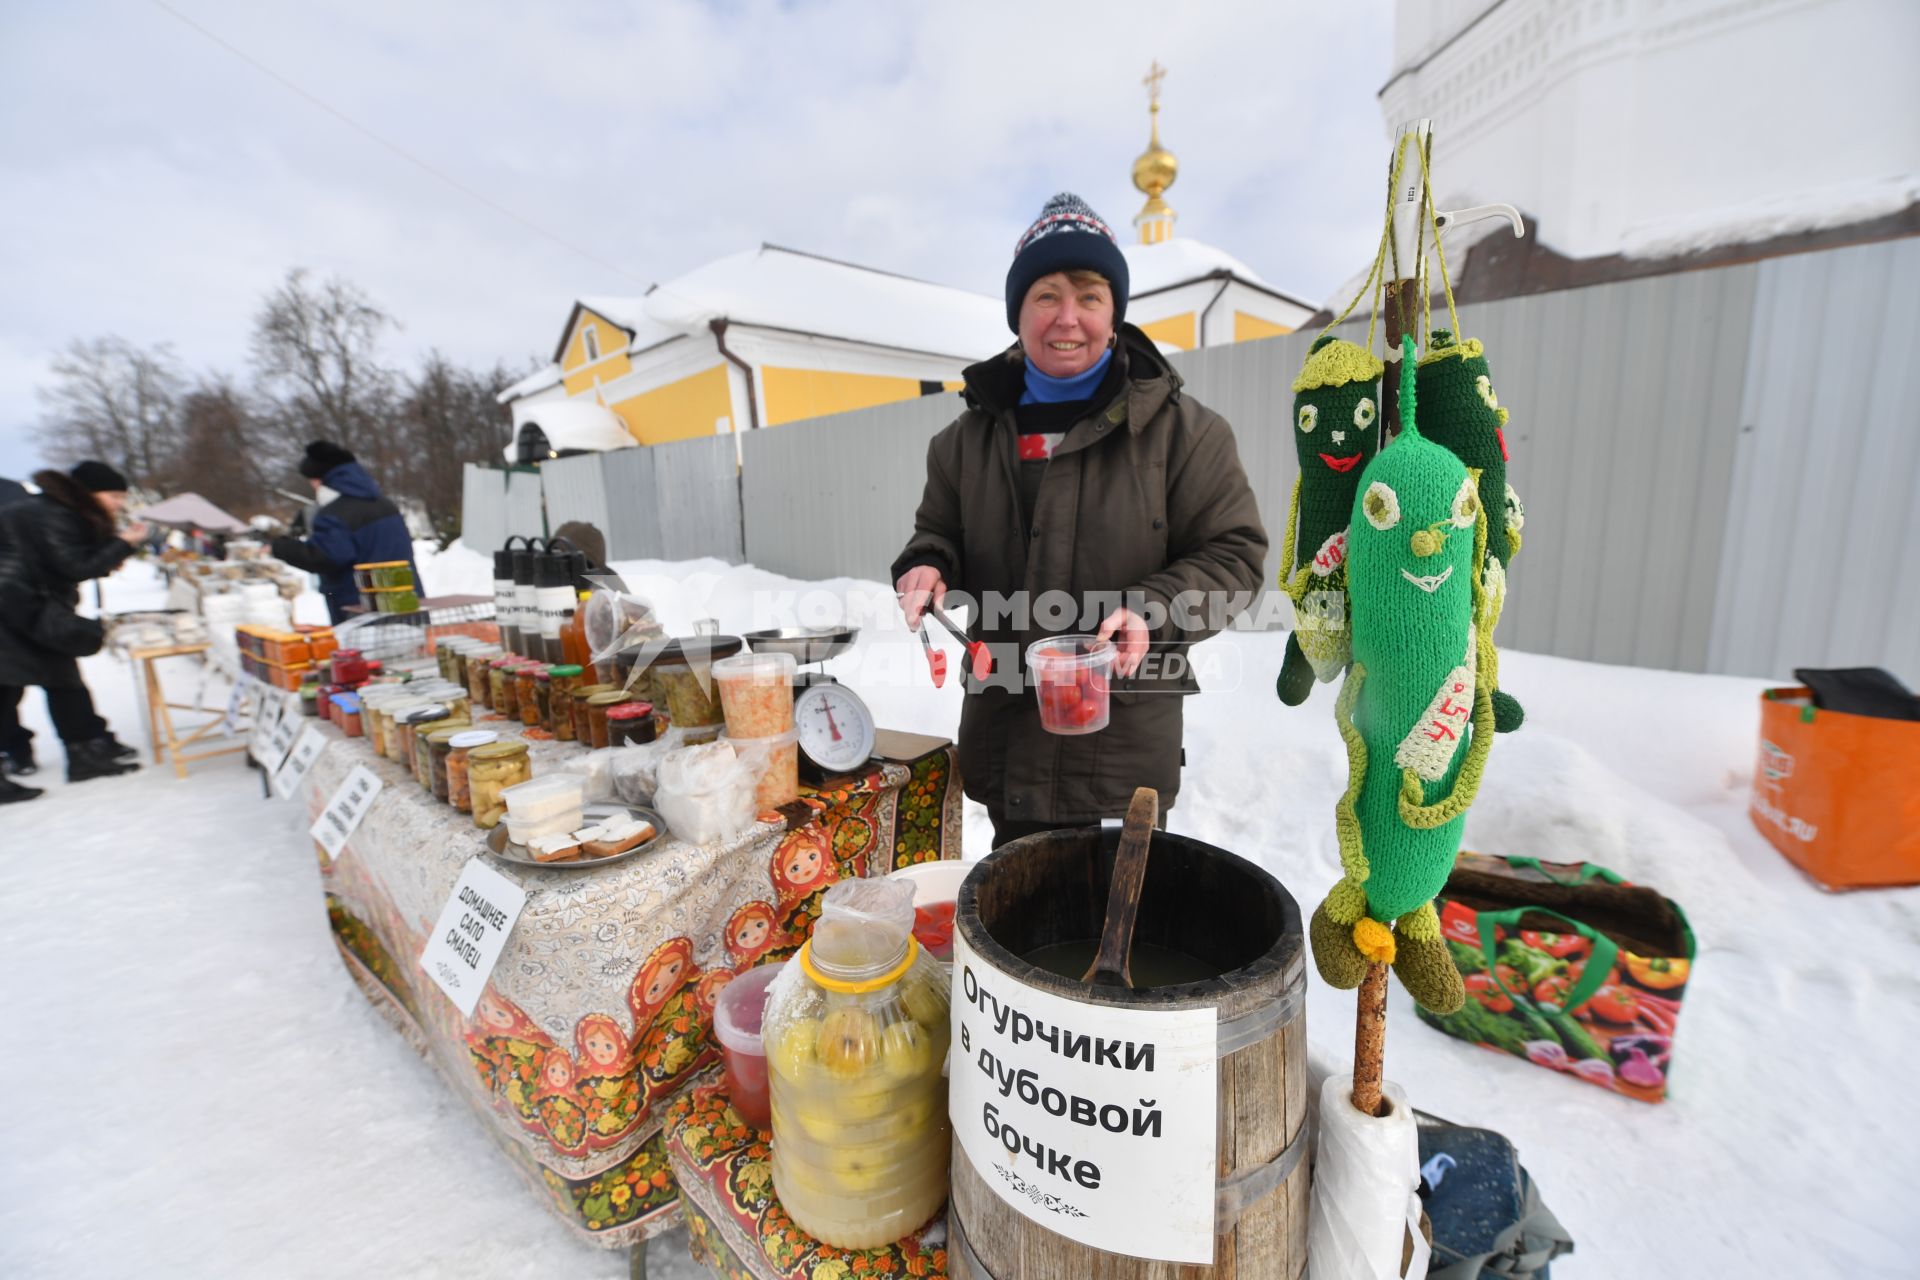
point(1487, 1215)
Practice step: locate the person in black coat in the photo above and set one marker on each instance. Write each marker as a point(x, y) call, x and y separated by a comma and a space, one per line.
point(353, 524)
point(49, 545)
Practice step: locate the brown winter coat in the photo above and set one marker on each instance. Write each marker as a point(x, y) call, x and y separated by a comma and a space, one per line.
point(1145, 496)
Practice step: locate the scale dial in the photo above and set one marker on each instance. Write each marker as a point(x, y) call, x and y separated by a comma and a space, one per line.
point(835, 727)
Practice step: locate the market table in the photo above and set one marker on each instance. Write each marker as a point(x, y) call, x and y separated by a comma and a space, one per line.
point(597, 1013)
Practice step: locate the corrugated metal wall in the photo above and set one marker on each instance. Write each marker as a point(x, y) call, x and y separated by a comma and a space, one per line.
point(1823, 526)
point(483, 507)
point(575, 489)
point(525, 511)
point(1719, 467)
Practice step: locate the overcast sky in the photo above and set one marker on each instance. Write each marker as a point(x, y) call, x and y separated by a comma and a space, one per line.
point(156, 184)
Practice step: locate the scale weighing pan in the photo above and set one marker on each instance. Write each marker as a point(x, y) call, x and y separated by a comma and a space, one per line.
point(806, 644)
point(518, 854)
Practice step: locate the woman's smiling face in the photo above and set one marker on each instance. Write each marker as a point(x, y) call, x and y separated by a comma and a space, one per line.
point(1065, 324)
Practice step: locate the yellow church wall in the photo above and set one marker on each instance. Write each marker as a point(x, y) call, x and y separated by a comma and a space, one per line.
point(1246, 327)
point(680, 410)
point(1176, 331)
point(613, 362)
point(792, 394)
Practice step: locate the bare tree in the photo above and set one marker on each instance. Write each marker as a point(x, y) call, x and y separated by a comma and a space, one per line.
point(448, 416)
point(220, 453)
point(113, 401)
point(316, 358)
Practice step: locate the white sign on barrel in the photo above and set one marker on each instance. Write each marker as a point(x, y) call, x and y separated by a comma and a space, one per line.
point(472, 929)
point(1095, 1122)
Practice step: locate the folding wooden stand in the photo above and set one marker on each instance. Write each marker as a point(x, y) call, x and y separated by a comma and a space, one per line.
point(166, 737)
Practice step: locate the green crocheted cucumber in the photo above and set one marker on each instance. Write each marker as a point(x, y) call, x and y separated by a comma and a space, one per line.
point(1336, 419)
point(1460, 409)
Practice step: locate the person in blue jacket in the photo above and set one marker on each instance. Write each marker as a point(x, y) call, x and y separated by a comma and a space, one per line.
point(353, 524)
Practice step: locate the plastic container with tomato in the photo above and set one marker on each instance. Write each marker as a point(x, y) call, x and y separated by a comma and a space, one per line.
point(936, 889)
point(736, 1021)
point(1071, 677)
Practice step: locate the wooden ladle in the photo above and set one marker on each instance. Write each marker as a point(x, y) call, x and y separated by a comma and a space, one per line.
point(1112, 965)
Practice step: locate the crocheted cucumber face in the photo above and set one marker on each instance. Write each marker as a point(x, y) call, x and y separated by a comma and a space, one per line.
point(1336, 413)
point(1410, 551)
point(1460, 408)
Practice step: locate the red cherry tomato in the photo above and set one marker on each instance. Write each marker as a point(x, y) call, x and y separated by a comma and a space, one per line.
point(1482, 987)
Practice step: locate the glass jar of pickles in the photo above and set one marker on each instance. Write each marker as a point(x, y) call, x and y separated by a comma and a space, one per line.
point(527, 692)
point(478, 664)
point(491, 769)
point(500, 679)
point(459, 788)
point(423, 746)
point(631, 724)
point(597, 707)
point(409, 723)
point(439, 751)
point(582, 728)
point(691, 699)
point(562, 681)
point(855, 1031)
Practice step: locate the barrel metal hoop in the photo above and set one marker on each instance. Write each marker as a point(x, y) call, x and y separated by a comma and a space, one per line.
point(1256, 1025)
point(1246, 1188)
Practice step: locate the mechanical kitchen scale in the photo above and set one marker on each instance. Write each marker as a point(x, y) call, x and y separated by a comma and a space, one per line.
point(835, 726)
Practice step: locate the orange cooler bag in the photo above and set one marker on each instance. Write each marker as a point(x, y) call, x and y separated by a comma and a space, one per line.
point(1838, 794)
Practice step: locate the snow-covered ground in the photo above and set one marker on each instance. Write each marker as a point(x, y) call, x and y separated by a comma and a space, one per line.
point(200, 1090)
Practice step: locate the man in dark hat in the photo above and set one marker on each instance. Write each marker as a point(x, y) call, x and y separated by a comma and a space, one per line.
point(352, 524)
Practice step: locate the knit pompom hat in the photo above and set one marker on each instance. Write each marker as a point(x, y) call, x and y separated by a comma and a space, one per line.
point(323, 456)
point(1067, 236)
point(98, 477)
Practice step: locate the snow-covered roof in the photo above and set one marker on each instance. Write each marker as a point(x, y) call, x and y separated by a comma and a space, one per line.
point(787, 289)
point(1181, 261)
point(539, 380)
point(572, 424)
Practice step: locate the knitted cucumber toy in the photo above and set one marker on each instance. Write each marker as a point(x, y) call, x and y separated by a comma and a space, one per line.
point(1336, 412)
point(1416, 713)
point(1459, 409)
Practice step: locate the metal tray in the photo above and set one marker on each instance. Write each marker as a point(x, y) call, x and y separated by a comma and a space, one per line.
point(806, 644)
point(521, 856)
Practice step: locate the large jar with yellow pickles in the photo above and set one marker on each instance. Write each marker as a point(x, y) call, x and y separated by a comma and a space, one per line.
point(856, 1032)
point(490, 771)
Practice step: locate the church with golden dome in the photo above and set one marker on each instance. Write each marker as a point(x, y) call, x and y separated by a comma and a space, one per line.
point(775, 335)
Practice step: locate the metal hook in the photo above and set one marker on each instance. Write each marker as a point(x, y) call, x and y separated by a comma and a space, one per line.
point(1446, 221)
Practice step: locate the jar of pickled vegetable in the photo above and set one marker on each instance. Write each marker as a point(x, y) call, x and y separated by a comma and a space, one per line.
point(439, 751)
point(631, 724)
point(395, 744)
point(506, 699)
point(756, 693)
point(527, 692)
point(491, 770)
point(855, 1032)
point(349, 666)
point(423, 746)
point(459, 787)
point(597, 707)
point(412, 749)
point(478, 663)
point(582, 728)
point(690, 697)
point(562, 681)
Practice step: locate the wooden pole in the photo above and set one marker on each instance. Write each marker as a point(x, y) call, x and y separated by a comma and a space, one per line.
point(1400, 308)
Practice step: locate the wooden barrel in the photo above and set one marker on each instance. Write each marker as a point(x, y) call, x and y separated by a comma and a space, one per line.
point(1215, 906)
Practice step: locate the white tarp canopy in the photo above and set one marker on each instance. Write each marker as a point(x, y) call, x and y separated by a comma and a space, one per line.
point(191, 509)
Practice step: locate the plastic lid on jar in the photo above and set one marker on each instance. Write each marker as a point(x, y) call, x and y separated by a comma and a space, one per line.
point(467, 739)
point(684, 650)
point(611, 698)
point(767, 667)
point(565, 669)
point(630, 711)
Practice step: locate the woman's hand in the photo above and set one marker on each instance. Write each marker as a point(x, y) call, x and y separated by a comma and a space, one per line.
point(134, 534)
point(1128, 631)
point(916, 586)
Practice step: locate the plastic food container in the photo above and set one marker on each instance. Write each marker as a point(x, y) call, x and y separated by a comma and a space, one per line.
point(736, 1021)
point(756, 693)
point(1071, 674)
point(349, 666)
point(775, 763)
point(345, 709)
point(936, 889)
point(689, 694)
point(856, 1029)
point(558, 795)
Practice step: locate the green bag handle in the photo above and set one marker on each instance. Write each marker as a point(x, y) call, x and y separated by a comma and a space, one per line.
point(1588, 871)
point(1599, 964)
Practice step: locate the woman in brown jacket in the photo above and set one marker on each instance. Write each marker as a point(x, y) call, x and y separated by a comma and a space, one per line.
point(1081, 490)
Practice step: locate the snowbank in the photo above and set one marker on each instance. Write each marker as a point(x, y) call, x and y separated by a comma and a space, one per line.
point(200, 1086)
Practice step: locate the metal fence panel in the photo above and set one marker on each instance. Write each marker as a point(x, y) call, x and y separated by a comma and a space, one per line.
point(525, 514)
point(633, 518)
point(696, 486)
point(483, 508)
point(575, 489)
point(835, 496)
point(1823, 531)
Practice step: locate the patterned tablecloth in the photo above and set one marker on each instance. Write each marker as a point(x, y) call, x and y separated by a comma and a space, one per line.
point(735, 1225)
point(597, 1014)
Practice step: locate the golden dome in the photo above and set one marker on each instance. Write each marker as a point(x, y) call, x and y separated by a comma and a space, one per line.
point(1157, 167)
point(1155, 171)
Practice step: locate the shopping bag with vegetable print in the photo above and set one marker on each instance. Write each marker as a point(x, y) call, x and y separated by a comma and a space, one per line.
point(1569, 966)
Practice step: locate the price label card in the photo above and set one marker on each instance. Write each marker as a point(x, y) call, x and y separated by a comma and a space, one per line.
point(293, 771)
point(236, 701)
point(280, 741)
point(348, 804)
point(472, 929)
point(269, 708)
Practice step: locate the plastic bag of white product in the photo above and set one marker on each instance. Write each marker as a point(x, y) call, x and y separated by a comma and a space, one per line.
point(629, 775)
point(705, 793)
point(1366, 1199)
